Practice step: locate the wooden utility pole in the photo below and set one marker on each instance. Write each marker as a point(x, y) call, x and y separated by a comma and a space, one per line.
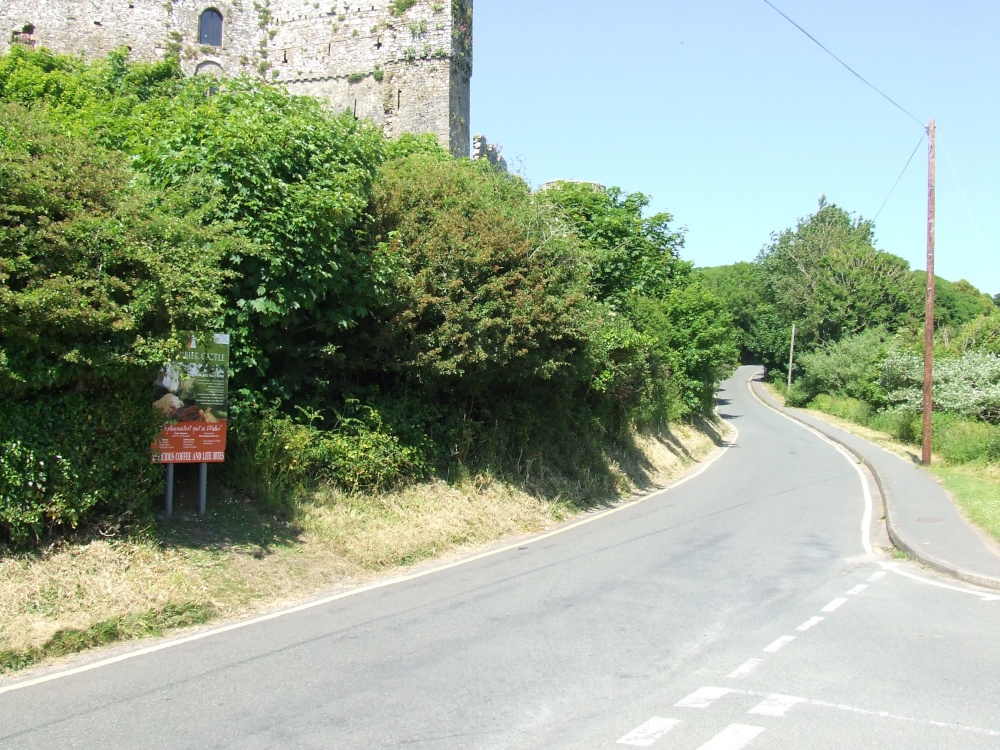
point(791, 356)
point(925, 453)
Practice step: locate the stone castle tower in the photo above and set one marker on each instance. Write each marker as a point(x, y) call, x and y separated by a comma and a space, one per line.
point(406, 64)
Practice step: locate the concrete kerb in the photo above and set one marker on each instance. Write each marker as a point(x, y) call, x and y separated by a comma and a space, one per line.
point(891, 524)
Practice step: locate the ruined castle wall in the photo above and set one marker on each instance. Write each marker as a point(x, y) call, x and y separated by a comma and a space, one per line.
point(150, 29)
point(408, 71)
point(393, 69)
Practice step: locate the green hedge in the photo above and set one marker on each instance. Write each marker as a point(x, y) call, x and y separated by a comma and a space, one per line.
point(68, 459)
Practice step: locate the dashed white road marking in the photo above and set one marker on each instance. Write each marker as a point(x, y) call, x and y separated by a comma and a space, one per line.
point(876, 576)
point(648, 733)
point(733, 737)
point(703, 697)
point(857, 589)
point(779, 644)
point(810, 623)
point(744, 669)
point(775, 705)
point(835, 604)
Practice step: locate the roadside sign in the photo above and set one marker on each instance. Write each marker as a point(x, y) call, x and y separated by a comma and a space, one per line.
point(194, 402)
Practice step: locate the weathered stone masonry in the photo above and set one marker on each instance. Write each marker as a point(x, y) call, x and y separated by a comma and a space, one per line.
point(408, 72)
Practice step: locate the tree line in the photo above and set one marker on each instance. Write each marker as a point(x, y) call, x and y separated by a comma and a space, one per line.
point(858, 313)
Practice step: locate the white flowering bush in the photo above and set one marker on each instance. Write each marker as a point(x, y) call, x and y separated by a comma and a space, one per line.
point(968, 385)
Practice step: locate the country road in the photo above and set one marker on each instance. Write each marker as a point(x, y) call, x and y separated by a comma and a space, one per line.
point(740, 608)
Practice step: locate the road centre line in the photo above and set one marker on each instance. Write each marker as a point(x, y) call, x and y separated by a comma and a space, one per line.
point(878, 575)
point(372, 586)
point(779, 644)
point(857, 589)
point(733, 737)
point(834, 605)
point(744, 669)
point(810, 623)
point(648, 733)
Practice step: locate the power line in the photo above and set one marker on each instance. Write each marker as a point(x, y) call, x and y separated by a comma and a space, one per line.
point(900, 175)
point(859, 76)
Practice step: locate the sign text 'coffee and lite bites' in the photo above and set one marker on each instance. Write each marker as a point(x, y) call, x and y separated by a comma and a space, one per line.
point(193, 400)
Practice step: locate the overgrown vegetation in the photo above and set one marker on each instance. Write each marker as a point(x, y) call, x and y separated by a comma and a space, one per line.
point(395, 314)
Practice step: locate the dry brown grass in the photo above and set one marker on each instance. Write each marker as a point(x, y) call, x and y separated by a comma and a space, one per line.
point(336, 540)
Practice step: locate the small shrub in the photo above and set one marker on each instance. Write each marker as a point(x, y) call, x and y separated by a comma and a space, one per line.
point(903, 425)
point(269, 457)
point(399, 7)
point(962, 441)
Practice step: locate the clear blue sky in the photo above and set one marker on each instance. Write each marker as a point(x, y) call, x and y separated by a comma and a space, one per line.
point(736, 123)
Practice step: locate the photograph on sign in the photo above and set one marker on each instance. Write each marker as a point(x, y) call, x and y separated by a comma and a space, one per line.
point(193, 399)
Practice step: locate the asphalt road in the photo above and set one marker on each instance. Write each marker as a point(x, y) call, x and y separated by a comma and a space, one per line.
point(738, 609)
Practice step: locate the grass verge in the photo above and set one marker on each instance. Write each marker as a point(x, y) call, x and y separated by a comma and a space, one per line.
point(237, 561)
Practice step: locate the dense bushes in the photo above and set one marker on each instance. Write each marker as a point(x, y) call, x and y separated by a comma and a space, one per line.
point(393, 311)
point(95, 280)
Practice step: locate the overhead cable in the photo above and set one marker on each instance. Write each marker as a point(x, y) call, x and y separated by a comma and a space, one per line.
point(859, 76)
point(898, 178)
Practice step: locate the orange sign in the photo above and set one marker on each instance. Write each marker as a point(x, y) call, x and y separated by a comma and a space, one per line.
point(193, 400)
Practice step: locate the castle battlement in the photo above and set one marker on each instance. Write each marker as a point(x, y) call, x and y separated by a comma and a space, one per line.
point(405, 64)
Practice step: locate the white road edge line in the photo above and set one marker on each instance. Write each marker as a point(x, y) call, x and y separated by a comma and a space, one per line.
point(733, 737)
point(648, 733)
point(866, 518)
point(371, 586)
point(985, 596)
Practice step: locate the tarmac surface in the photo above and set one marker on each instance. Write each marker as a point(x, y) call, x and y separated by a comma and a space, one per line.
point(920, 516)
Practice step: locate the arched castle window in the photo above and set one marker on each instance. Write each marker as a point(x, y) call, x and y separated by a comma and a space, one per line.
point(210, 28)
point(209, 68)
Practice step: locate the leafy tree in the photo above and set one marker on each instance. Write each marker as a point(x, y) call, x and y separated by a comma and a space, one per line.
point(849, 367)
point(763, 333)
point(96, 279)
point(827, 277)
point(693, 336)
point(637, 270)
point(295, 180)
point(968, 385)
point(955, 302)
point(632, 254)
point(479, 300)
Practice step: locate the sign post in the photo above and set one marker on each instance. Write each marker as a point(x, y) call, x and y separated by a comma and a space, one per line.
point(193, 400)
